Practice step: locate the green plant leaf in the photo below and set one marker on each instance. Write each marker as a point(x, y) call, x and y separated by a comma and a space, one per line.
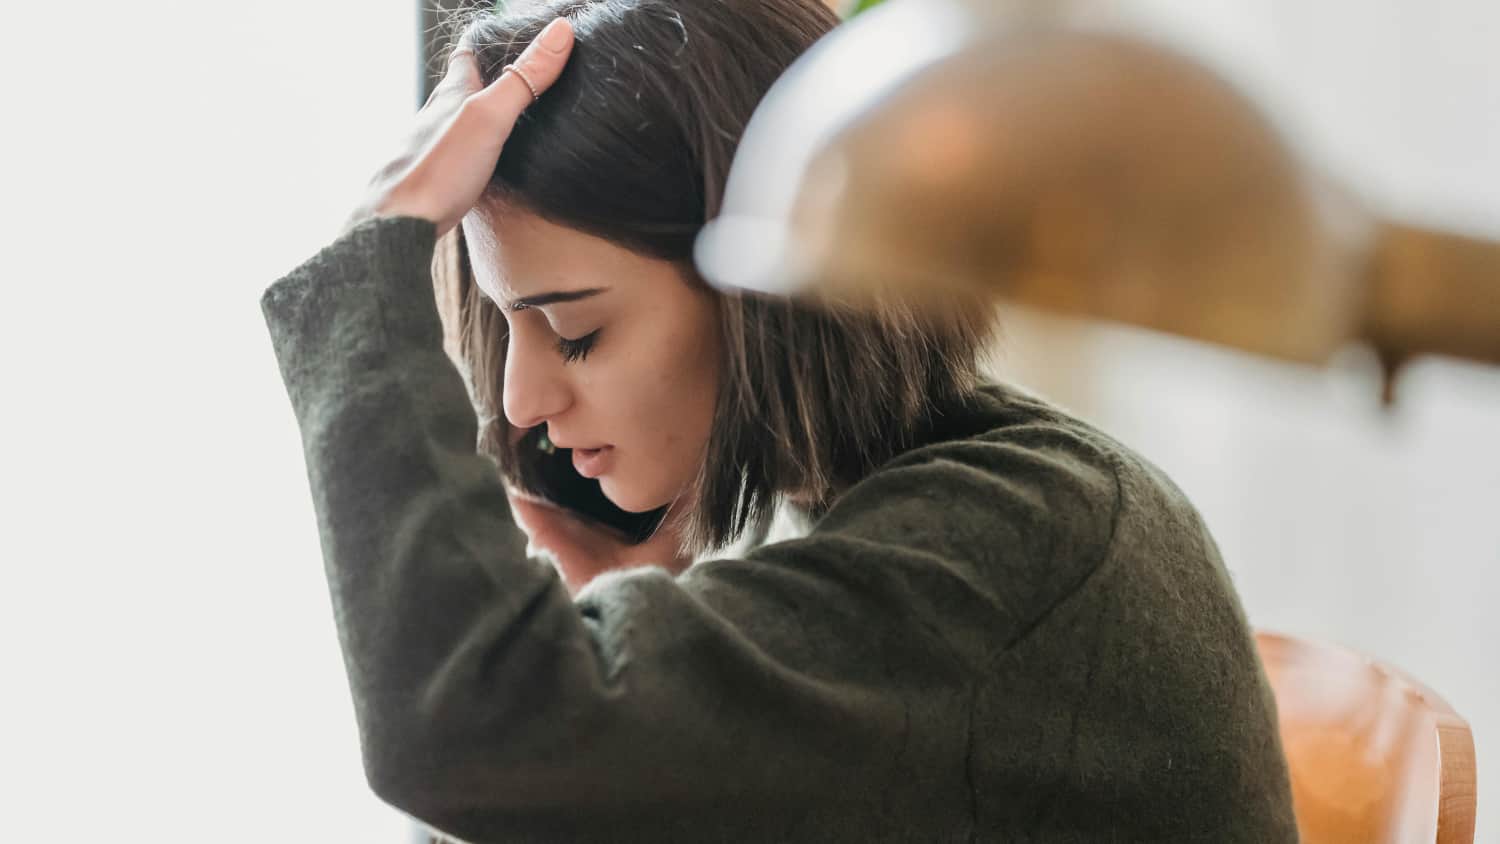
point(862, 6)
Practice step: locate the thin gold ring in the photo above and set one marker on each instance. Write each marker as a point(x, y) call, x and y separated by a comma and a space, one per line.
point(517, 71)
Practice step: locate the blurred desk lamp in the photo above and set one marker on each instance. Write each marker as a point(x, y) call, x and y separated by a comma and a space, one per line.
point(1054, 159)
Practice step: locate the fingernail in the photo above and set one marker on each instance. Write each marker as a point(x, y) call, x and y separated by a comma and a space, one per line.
point(553, 37)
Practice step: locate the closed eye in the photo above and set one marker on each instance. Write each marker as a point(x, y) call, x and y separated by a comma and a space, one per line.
point(578, 349)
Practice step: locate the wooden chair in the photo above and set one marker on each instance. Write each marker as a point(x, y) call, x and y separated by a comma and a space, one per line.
point(1375, 756)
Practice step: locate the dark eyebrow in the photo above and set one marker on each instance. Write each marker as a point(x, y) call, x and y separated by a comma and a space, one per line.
point(556, 296)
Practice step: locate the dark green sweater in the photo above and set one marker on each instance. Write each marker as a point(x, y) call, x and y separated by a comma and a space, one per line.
point(1017, 631)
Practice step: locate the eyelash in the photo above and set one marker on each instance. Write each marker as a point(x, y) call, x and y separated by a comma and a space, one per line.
point(572, 350)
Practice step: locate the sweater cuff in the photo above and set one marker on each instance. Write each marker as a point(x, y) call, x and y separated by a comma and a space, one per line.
point(369, 288)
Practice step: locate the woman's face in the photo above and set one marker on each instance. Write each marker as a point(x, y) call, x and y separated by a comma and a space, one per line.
point(610, 350)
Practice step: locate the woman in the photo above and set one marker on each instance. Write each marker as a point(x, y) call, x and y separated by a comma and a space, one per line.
point(1000, 624)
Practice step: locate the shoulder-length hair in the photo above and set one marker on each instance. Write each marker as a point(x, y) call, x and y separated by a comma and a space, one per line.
point(633, 144)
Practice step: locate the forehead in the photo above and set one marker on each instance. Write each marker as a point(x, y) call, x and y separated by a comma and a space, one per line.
point(516, 253)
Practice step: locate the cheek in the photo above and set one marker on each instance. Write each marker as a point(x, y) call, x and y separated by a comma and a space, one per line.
point(665, 380)
point(661, 404)
point(687, 381)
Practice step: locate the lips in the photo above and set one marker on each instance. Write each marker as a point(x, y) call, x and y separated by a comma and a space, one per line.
point(561, 444)
point(592, 462)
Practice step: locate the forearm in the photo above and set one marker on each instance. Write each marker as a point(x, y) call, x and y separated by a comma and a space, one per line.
point(420, 549)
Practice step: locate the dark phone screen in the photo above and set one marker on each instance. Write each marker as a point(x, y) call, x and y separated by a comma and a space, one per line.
point(551, 476)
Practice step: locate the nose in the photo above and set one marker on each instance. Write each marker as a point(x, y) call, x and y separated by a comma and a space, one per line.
point(535, 387)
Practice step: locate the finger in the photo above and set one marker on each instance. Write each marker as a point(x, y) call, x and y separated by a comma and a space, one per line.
point(463, 69)
point(457, 78)
point(542, 62)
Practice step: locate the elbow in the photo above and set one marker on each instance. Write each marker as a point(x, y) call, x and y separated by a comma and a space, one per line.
point(436, 788)
point(392, 788)
point(405, 781)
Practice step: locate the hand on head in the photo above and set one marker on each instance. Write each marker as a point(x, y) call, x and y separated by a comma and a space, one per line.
point(447, 160)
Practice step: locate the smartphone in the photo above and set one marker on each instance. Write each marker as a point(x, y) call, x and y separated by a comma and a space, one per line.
point(549, 475)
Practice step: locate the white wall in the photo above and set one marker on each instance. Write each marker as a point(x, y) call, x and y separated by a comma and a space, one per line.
point(171, 660)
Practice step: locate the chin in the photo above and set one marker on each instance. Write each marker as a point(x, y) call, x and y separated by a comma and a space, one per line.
point(631, 499)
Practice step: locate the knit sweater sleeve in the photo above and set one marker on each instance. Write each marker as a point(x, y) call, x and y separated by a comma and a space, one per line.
point(814, 689)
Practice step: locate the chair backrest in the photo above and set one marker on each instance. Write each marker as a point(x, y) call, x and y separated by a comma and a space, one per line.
point(1375, 756)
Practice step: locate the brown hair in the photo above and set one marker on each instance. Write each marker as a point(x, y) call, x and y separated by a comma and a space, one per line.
point(633, 143)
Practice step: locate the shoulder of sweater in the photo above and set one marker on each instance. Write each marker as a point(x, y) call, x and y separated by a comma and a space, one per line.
point(1022, 440)
point(979, 534)
point(1017, 512)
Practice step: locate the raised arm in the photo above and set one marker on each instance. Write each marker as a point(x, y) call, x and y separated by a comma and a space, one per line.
point(820, 689)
